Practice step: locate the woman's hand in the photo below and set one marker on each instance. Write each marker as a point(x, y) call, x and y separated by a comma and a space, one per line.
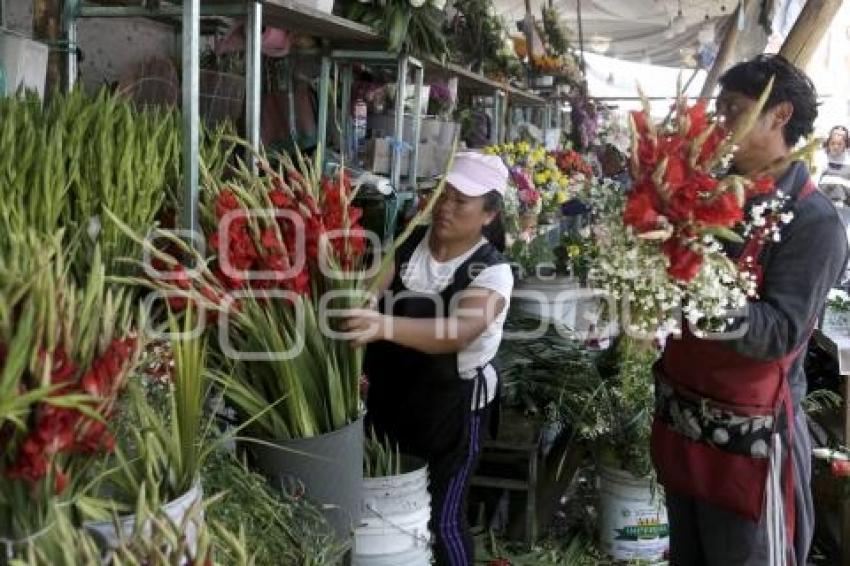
point(363, 326)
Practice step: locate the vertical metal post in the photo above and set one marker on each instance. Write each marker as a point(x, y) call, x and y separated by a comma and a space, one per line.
point(290, 99)
point(253, 75)
point(347, 144)
point(398, 134)
point(191, 87)
point(322, 135)
point(2, 13)
point(413, 171)
point(496, 131)
point(581, 39)
point(70, 24)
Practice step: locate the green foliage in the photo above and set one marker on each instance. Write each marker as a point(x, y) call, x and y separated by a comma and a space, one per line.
point(531, 255)
point(614, 415)
point(479, 38)
point(278, 528)
point(64, 163)
point(556, 36)
point(540, 373)
point(409, 29)
point(380, 457)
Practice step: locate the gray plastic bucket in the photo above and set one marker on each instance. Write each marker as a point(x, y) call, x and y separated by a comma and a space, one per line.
point(330, 467)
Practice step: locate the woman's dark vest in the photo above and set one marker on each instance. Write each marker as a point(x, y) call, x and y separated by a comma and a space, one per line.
point(419, 400)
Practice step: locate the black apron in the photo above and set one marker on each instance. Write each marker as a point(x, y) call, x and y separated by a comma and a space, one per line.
point(415, 399)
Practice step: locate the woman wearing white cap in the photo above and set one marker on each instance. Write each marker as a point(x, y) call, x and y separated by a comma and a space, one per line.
point(431, 384)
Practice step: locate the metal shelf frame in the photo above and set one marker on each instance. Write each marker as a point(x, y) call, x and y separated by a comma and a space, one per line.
point(190, 14)
point(336, 32)
point(404, 64)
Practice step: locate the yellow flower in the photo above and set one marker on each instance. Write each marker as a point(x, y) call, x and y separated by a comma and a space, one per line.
point(550, 161)
point(541, 179)
point(574, 251)
point(564, 182)
point(491, 150)
point(509, 160)
point(561, 197)
point(522, 148)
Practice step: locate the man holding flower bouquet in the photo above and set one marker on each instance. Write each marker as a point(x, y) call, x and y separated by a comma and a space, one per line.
point(730, 441)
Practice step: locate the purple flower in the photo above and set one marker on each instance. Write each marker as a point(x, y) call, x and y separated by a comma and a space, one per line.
point(440, 93)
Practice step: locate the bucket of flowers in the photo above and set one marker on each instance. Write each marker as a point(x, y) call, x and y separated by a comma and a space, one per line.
point(65, 355)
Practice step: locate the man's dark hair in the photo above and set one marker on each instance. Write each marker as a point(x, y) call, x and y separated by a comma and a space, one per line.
point(790, 85)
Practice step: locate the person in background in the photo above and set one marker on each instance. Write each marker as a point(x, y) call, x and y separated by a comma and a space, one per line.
point(430, 346)
point(729, 440)
point(612, 165)
point(833, 165)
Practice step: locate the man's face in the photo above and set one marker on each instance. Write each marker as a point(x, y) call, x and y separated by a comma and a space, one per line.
point(758, 149)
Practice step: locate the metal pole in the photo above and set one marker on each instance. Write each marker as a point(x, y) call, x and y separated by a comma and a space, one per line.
point(347, 144)
point(253, 75)
point(581, 38)
point(2, 13)
point(322, 135)
point(419, 75)
point(191, 87)
point(290, 99)
point(398, 134)
point(70, 22)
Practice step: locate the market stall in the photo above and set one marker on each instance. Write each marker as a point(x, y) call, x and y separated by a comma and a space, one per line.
point(187, 255)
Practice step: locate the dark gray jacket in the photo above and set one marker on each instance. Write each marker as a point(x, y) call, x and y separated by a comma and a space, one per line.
point(799, 271)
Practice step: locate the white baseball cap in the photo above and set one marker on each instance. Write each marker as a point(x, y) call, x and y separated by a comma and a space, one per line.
point(475, 174)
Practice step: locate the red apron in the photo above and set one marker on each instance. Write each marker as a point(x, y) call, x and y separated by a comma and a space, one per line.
point(716, 415)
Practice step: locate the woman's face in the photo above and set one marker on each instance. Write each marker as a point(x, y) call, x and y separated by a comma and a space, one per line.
point(836, 144)
point(458, 217)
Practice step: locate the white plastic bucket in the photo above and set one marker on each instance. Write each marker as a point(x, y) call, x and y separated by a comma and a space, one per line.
point(632, 523)
point(395, 511)
point(561, 300)
point(417, 556)
point(107, 535)
point(391, 534)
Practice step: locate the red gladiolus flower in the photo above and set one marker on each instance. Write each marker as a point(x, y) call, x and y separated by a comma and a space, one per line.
point(723, 210)
point(270, 241)
point(684, 262)
point(641, 124)
point(640, 212)
point(698, 119)
point(280, 199)
point(225, 202)
point(60, 481)
point(761, 186)
point(300, 284)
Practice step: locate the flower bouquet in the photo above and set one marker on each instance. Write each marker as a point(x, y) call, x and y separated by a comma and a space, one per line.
point(661, 247)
